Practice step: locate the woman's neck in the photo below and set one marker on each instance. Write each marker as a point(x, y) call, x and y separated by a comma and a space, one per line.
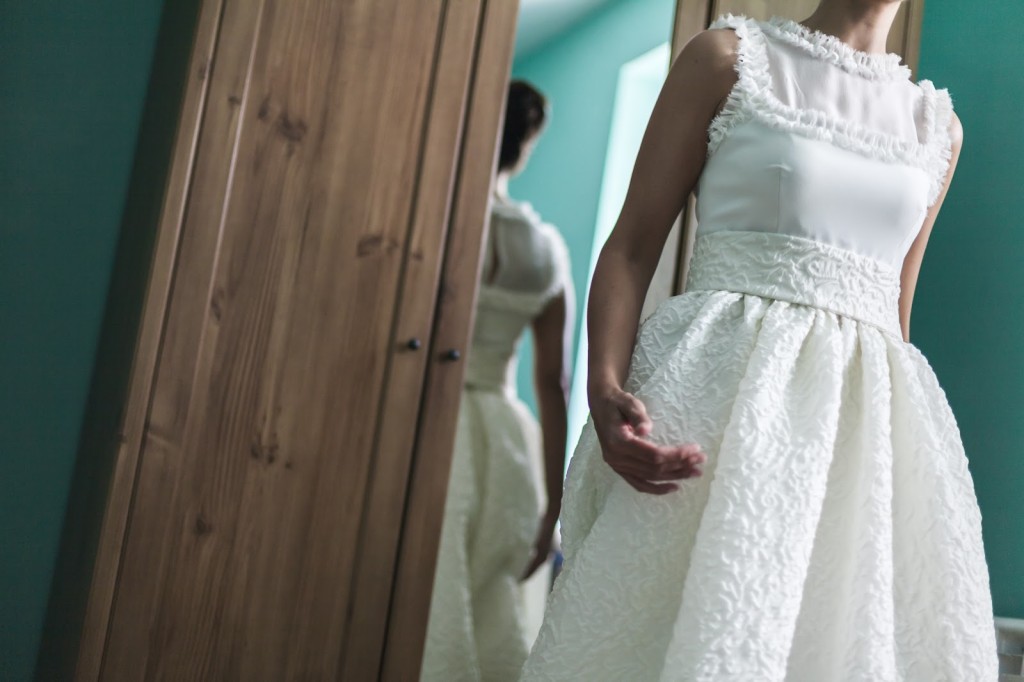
point(501, 185)
point(862, 24)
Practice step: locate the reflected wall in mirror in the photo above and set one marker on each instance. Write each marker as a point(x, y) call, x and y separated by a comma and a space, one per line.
point(585, 78)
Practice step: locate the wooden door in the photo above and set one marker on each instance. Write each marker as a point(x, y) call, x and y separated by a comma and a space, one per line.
point(693, 17)
point(255, 517)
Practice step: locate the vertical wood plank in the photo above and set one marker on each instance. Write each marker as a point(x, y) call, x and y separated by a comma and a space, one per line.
point(389, 477)
point(911, 47)
point(121, 489)
point(151, 518)
point(421, 530)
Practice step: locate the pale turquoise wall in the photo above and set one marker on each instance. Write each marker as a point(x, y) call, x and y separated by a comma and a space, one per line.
point(578, 71)
point(969, 310)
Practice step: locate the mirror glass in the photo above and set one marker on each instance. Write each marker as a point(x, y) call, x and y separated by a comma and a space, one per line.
point(585, 77)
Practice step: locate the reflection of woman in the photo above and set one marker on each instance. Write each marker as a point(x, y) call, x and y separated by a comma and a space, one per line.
point(488, 592)
point(783, 493)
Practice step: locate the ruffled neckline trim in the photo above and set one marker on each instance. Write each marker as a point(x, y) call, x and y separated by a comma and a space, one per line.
point(752, 98)
point(876, 66)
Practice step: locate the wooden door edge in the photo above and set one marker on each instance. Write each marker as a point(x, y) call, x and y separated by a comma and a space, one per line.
point(912, 35)
point(119, 480)
point(415, 308)
point(431, 462)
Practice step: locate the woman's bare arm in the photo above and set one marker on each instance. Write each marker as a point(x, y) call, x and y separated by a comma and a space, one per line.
point(552, 353)
point(552, 344)
point(667, 168)
point(912, 262)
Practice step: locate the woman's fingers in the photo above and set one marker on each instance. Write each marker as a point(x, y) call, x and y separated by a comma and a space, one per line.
point(685, 470)
point(535, 563)
point(651, 458)
point(652, 462)
point(648, 487)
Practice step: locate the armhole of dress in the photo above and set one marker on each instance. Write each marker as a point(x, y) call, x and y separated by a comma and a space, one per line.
point(752, 77)
point(939, 144)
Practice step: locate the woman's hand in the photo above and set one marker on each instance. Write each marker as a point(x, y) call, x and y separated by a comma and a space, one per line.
point(542, 545)
point(622, 426)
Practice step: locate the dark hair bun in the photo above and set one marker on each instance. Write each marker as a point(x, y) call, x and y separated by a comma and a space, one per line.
point(525, 114)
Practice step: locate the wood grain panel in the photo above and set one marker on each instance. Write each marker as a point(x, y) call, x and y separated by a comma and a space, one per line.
point(243, 533)
point(414, 316)
point(151, 516)
point(421, 530)
point(121, 489)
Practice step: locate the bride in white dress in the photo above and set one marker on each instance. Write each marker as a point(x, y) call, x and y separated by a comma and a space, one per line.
point(505, 488)
point(772, 486)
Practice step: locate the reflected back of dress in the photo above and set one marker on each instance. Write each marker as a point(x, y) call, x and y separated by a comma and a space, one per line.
point(525, 267)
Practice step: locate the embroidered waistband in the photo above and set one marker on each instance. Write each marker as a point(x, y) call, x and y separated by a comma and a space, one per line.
point(798, 270)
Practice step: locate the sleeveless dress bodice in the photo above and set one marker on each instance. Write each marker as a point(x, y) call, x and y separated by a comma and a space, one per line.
point(525, 267)
point(821, 142)
point(823, 151)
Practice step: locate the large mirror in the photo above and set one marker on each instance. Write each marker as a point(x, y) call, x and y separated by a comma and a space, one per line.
point(585, 77)
point(867, 436)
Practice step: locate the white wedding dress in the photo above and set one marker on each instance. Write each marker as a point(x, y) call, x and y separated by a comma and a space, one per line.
point(835, 535)
point(482, 618)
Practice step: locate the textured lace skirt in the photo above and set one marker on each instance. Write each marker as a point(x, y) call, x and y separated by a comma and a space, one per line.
point(482, 618)
point(835, 534)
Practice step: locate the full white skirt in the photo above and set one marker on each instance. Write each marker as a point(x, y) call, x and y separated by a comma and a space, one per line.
point(483, 620)
point(834, 536)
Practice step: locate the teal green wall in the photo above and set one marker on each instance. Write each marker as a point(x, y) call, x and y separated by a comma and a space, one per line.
point(74, 79)
point(969, 310)
point(578, 71)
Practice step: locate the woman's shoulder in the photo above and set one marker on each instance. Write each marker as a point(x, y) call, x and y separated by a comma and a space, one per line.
point(528, 229)
point(705, 71)
point(521, 212)
point(717, 46)
point(511, 211)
